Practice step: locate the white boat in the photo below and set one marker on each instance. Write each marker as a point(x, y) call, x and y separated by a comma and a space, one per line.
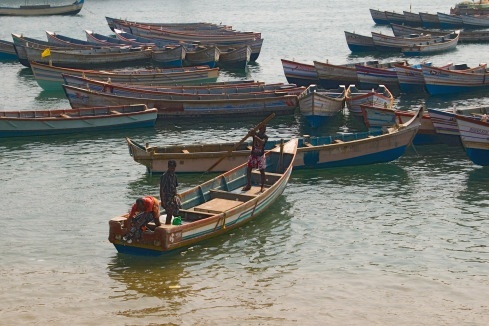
point(474, 133)
point(317, 105)
point(42, 9)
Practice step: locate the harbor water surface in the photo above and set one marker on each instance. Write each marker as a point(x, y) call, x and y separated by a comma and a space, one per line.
point(400, 243)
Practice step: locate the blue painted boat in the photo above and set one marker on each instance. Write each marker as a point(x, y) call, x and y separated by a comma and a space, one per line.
point(7, 51)
point(379, 17)
point(301, 74)
point(474, 133)
point(212, 208)
point(376, 119)
point(338, 150)
point(318, 105)
point(359, 43)
point(458, 80)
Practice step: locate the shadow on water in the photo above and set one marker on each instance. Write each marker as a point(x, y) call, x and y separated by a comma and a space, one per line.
point(476, 191)
point(373, 174)
point(107, 137)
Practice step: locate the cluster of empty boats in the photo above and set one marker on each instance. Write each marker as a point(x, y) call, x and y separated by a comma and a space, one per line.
point(136, 43)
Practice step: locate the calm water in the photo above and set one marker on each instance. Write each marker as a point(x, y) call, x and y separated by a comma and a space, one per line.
point(400, 243)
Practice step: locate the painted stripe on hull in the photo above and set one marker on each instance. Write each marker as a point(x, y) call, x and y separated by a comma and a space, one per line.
point(379, 157)
point(443, 89)
point(478, 156)
point(17, 133)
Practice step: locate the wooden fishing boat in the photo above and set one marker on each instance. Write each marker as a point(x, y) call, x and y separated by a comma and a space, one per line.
point(465, 36)
point(317, 105)
point(475, 21)
point(412, 19)
point(436, 45)
point(99, 39)
point(235, 57)
point(187, 105)
point(332, 76)
point(359, 43)
point(170, 56)
point(446, 125)
point(474, 134)
point(376, 118)
point(7, 50)
point(373, 76)
point(174, 91)
point(379, 17)
point(203, 56)
point(214, 207)
point(21, 43)
point(395, 17)
point(301, 74)
point(51, 77)
point(379, 97)
point(59, 40)
point(42, 9)
point(114, 22)
point(410, 78)
point(448, 21)
point(384, 42)
point(135, 40)
point(338, 150)
point(51, 122)
point(429, 20)
point(90, 58)
point(449, 81)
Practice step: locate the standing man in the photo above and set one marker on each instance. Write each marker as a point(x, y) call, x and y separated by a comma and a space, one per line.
point(257, 158)
point(168, 191)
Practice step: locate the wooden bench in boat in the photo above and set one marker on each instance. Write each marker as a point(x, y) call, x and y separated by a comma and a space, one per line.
point(243, 197)
point(115, 112)
point(217, 205)
point(270, 177)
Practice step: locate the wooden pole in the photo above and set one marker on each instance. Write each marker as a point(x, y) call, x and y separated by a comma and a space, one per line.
point(264, 122)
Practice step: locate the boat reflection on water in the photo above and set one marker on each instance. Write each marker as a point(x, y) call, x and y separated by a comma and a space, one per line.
point(476, 191)
point(158, 277)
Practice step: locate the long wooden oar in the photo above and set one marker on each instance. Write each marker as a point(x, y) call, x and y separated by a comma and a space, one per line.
point(270, 117)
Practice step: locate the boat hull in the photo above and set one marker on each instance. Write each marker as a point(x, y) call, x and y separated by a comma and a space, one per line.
point(37, 123)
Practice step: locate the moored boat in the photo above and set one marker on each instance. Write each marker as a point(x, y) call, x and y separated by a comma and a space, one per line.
point(376, 118)
point(317, 105)
point(461, 79)
point(188, 105)
point(379, 17)
point(373, 76)
point(359, 43)
point(435, 45)
point(338, 150)
point(429, 20)
point(214, 207)
point(301, 74)
point(474, 134)
point(51, 77)
point(90, 58)
point(7, 50)
point(379, 97)
point(43, 9)
point(60, 121)
point(446, 125)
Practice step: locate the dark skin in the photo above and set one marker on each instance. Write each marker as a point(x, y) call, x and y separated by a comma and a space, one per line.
point(262, 171)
